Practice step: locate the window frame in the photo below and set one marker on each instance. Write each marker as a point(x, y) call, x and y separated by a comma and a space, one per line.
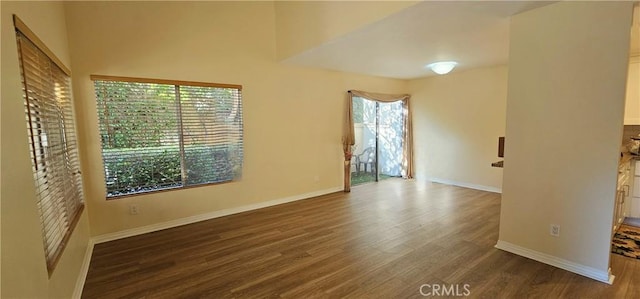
point(177, 84)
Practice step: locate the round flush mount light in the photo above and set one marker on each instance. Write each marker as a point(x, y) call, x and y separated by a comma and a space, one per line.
point(442, 67)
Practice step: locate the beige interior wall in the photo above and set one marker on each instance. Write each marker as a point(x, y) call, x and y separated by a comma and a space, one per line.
point(24, 271)
point(635, 31)
point(632, 105)
point(292, 116)
point(565, 102)
point(302, 25)
point(458, 118)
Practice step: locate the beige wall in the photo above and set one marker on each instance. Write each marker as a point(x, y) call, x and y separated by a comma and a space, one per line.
point(457, 120)
point(457, 128)
point(302, 25)
point(292, 116)
point(632, 105)
point(565, 102)
point(24, 271)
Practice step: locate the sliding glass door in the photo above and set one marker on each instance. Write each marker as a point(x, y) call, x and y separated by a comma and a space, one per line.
point(390, 141)
point(378, 129)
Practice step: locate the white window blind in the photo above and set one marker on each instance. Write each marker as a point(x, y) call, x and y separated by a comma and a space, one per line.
point(52, 138)
point(159, 134)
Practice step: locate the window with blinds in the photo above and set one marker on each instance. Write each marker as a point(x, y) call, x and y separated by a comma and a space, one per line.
point(160, 134)
point(52, 139)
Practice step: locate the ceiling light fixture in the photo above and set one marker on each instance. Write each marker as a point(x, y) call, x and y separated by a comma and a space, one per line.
point(442, 67)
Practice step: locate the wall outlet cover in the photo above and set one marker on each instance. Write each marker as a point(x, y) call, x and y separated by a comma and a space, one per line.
point(133, 210)
point(555, 230)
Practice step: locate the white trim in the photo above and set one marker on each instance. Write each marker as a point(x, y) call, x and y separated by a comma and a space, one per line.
point(215, 214)
point(599, 275)
point(467, 185)
point(84, 269)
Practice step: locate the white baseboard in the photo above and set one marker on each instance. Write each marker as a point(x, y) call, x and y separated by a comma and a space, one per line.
point(206, 216)
point(599, 275)
point(84, 269)
point(466, 185)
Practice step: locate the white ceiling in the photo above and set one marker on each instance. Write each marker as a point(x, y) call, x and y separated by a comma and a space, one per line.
point(474, 33)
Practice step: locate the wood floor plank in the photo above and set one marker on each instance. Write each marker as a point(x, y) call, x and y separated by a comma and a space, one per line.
point(382, 240)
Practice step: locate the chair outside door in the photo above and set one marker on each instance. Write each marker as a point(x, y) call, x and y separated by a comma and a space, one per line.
point(366, 158)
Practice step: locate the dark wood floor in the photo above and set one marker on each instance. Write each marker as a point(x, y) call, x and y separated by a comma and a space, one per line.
point(382, 240)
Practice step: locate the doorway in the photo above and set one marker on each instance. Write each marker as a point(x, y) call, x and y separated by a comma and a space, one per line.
point(378, 143)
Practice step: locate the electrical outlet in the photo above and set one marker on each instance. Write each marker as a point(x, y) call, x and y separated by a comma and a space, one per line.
point(316, 178)
point(133, 210)
point(555, 230)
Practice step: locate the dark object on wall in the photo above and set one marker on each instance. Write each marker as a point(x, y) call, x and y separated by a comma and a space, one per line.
point(501, 147)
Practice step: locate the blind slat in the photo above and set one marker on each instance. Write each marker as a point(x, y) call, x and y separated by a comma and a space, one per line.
point(47, 96)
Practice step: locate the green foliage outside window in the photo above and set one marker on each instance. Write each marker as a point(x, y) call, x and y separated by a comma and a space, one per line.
point(140, 127)
point(147, 169)
point(358, 110)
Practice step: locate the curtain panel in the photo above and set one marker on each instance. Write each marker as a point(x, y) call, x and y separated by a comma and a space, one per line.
point(348, 139)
